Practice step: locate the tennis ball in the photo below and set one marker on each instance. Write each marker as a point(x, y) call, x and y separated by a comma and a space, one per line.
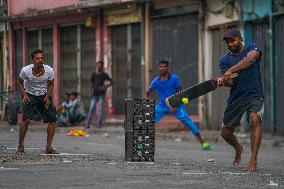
point(184, 100)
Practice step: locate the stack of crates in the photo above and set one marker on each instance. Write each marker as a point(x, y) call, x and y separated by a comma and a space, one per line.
point(139, 129)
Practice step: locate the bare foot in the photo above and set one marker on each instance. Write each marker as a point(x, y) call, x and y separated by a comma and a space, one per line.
point(21, 150)
point(50, 150)
point(251, 167)
point(238, 155)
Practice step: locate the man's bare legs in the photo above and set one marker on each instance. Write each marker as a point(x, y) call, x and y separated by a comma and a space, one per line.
point(23, 130)
point(22, 134)
point(255, 137)
point(50, 134)
point(228, 135)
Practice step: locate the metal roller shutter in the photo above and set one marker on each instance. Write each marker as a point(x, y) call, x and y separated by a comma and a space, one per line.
point(88, 60)
point(47, 46)
point(175, 39)
point(32, 43)
point(279, 69)
point(260, 35)
point(120, 72)
point(68, 59)
point(219, 97)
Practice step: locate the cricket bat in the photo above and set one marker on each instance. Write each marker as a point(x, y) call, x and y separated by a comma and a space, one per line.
point(195, 91)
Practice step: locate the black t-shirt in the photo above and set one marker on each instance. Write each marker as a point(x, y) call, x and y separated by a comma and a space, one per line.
point(98, 81)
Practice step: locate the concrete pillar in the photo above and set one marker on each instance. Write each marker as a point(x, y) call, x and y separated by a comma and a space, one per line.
point(56, 65)
point(106, 57)
point(25, 47)
point(5, 58)
point(12, 82)
point(100, 36)
point(148, 47)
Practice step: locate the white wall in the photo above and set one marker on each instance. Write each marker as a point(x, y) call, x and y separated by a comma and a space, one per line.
point(214, 19)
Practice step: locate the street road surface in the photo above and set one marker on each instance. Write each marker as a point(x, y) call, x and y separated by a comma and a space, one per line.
point(97, 161)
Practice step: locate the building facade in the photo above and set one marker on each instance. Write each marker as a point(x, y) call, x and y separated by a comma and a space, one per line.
point(73, 35)
point(132, 36)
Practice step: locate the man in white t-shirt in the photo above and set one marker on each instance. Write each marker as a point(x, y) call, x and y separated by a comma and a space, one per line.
point(36, 83)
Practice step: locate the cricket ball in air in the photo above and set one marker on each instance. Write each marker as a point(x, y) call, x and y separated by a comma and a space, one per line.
point(184, 100)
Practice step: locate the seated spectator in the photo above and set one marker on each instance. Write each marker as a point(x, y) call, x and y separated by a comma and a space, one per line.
point(67, 103)
point(63, 110)
point(76, 113)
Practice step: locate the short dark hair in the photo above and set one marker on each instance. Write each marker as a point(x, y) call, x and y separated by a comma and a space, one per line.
point(36, 52)
point(74, 93)
point(67, 94)
point(164, 62)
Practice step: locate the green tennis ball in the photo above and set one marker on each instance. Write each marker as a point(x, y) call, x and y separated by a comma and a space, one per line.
point(184, 100)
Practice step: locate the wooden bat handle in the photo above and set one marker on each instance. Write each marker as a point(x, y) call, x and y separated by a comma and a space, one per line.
point(231, 76)
point(225, 78)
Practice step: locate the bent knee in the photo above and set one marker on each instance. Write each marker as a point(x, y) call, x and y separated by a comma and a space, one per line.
point(227, 132)
point(254, 119)
point(225, 135)
point(26, 121)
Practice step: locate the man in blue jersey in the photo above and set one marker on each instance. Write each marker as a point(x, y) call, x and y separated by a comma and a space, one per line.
point(168, 84)
point(246, 94)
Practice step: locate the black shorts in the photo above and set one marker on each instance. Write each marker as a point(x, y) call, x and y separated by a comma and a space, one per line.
point(36, 103)
point(233, 114)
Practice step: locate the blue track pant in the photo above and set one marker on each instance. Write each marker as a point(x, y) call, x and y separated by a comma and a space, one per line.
point(180, 114)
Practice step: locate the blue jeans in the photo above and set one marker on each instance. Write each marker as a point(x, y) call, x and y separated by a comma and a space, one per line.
point(101, 100)
point(180, 114)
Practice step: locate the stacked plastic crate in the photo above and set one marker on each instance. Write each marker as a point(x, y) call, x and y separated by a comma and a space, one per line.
point(139, 129)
